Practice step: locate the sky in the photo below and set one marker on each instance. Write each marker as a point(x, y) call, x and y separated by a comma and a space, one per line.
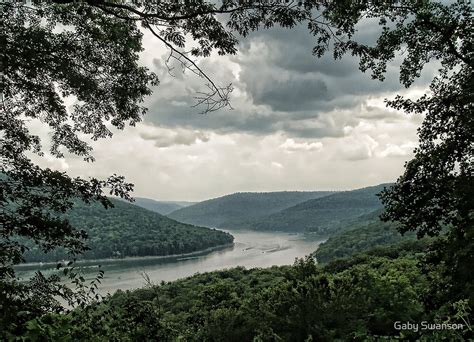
point(297, 123)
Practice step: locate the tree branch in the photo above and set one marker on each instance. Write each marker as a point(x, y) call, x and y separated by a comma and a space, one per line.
point(220, 92)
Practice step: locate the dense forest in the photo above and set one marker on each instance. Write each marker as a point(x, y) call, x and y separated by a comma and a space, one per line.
point(127, 230)
point(237, 210)
point(345, 297)
point(361, 234)
point(357, 298)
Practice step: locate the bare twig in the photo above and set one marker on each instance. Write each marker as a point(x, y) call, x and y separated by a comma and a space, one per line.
point(217, 97)
point(209, 99)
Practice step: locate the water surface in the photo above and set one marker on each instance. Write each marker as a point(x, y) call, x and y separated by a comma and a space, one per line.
point(251, 249)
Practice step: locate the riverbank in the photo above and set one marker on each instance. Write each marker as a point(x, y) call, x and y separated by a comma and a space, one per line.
point(41, 265)
point(250, 250)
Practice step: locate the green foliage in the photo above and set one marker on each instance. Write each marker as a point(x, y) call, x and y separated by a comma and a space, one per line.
point(437, 187)
point(95, 64)
point(128, 230)
point(440, 177)
point(53, 327)
point(360, 301)
point(237, 210)
point(361, 236)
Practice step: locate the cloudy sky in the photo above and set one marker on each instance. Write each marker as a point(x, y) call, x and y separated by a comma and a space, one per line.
point(298, 123)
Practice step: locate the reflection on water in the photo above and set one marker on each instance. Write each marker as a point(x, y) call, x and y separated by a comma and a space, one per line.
point(251, 249)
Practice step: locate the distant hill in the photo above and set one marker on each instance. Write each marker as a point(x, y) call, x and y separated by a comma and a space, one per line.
point(322, 215)
point(128, 230)
point(160, 207)
point(237, 210)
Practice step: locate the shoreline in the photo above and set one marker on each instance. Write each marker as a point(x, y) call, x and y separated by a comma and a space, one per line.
point(208, 250)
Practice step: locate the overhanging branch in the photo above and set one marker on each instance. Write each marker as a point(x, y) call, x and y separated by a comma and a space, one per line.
point(217, 97)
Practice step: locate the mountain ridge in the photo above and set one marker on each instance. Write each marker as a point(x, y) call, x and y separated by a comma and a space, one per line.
point(160, 207)
point(321, 215)
point(321, 212)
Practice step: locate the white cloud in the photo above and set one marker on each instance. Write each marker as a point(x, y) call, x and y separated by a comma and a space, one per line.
point(394, 150)
point(277, 165)
point(290, 145)
point(358, 147)
point(56, 163)
point(165, 137)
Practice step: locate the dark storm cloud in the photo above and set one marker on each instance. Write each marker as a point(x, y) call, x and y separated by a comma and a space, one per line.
point(291, 95)
point(289, 78)
point(291, 50)
point(282, 87)
point(181, 114)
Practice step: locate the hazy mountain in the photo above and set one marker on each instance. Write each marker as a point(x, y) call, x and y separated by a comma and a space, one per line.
point(235, 210)
point(128, 230)
point(161, 207)
point(322, 215)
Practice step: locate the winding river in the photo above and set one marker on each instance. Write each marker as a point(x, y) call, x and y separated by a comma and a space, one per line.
point(251, 249)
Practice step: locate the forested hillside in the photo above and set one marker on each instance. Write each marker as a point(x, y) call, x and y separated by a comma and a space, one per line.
point(235, 210)
point(364, 233)
point(128, 230)
point(161, 207)
point(304, 302)
point(323, 215)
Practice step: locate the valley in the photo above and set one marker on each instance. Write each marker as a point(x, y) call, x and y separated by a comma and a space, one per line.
point(129, 241)
point(250, 250)
point(280, 272)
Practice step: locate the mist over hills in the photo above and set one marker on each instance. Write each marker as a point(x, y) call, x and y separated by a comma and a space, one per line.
point(323, 215)
point(235, 210)
point(320, 212)
point(161, 207)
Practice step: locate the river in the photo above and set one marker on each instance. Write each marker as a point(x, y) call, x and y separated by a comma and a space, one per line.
point(251, 249)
